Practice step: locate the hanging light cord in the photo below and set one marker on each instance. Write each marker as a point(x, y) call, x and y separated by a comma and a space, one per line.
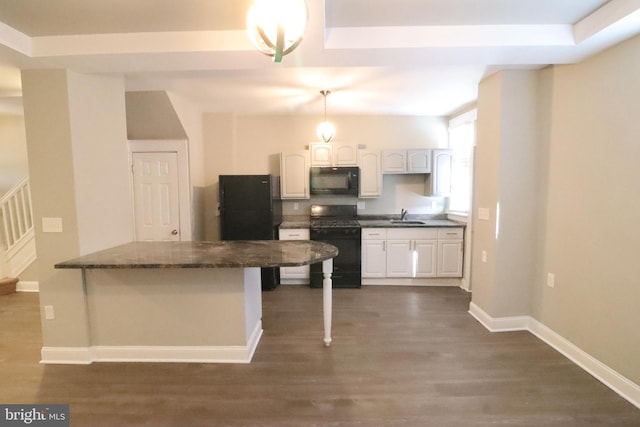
point(325, 93)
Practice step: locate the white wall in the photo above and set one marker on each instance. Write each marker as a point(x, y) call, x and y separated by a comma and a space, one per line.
point(100, 157)
point(558, 149)
point(77, 149)
point(592, 237)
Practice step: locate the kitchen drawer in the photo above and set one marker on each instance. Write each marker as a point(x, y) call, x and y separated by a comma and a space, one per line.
point(374, 233)
point(417, 233)
point(294, 234)
point(450, 233)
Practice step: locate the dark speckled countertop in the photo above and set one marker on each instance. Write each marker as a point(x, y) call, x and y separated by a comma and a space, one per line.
point(380, 221)
point(386, 223)
point(222, 254)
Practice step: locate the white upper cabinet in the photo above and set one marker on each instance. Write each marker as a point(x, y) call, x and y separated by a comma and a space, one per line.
point(419, 161)
point(441, 167)
point(294, 175)
point(333, 154)
point(345, 154)
point(370, 175)
point(321, 154)
point(394, 161)
point(406, 161)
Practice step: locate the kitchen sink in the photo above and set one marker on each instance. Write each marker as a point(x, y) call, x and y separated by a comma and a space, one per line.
point(407, 222)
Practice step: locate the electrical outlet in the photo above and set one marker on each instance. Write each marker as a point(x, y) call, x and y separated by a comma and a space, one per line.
point(551, 280)
point(49, 313)
point(361, 205)
point(51, 225)
point(296, 206)
point(484, 256)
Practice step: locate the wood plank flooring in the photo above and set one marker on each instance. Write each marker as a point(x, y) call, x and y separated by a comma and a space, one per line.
point(401, 356)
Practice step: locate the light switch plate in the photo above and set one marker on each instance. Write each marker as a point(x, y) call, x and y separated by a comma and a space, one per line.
point(551, 280)
point(51, 225)
point(483, 213)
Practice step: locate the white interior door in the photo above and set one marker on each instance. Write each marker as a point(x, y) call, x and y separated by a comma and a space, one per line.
point(156, 196)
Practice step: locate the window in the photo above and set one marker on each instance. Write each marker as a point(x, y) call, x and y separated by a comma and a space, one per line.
point(462, 136)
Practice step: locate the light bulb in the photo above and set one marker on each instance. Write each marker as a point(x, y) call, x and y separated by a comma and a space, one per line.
point(326, 131)
point(276, 27)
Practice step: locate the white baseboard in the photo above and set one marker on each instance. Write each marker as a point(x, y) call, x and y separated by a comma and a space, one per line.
point(295, 282)
point(28, 286)
point(500, 324)
point(603, 373)
point(66, 355)
point(165, 354)
point(394, 281)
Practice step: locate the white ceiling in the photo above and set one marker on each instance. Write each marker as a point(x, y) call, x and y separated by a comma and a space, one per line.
point(376, 56)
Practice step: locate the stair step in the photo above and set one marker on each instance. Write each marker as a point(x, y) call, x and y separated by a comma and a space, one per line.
point(8, 285)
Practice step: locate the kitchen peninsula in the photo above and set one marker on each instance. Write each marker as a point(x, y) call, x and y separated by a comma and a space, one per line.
point(185, 301)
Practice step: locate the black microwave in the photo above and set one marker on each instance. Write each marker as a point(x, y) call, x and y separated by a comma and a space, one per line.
point(341, 180)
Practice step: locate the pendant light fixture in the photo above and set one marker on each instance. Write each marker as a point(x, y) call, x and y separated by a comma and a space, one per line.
point(276, 27)
point(325, 130)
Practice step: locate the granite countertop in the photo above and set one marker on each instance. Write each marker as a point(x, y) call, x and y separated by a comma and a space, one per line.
point(378, 221)
point(222, 254)
point(386, 223)
point(296, 221)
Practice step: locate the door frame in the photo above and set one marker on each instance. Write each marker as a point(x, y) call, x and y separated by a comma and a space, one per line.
point(181, 149)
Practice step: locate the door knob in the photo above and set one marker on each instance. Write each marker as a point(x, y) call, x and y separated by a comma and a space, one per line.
point(174, 232)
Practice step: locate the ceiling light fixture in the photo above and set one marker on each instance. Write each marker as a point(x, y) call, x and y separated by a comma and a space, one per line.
point(276, 27)
point(325, 131)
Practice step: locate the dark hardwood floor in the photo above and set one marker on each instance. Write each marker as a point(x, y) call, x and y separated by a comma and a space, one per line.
point(401, 356)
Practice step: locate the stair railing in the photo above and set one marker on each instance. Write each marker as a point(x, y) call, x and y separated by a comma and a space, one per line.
point(17, 213)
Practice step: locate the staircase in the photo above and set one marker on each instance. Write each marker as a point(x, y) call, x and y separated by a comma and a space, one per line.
point(17, 237)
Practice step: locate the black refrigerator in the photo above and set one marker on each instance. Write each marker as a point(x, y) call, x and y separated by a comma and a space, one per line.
point(251, 209)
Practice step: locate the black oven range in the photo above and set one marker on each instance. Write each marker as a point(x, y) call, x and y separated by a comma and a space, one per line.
point(338, 225)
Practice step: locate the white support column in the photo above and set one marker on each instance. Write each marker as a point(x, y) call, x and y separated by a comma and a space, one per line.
point(327, 291)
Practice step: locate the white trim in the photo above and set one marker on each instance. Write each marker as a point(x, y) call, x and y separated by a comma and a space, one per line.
point(603, 373)
point(66, 355)
point(409, 281)
point(164, 354)
point(294, 282)
point(181, 148)
point(500, 324)
point(28, 286)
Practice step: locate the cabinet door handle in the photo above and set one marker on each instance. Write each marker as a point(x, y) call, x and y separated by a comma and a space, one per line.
point(294, 235)
point(384, 246)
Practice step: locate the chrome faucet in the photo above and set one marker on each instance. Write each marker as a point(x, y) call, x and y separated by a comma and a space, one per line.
point(403, 213)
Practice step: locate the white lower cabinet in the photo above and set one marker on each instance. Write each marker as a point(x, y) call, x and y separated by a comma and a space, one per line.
point(374, 252)
point(294, 275)
point(399, 258)
point(412, 252)
point(426, 257)
point(450, 252)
